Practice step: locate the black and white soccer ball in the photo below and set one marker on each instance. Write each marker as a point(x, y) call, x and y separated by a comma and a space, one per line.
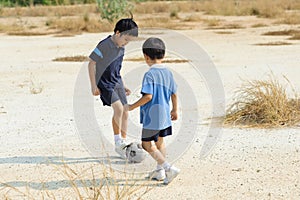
point(135, 153)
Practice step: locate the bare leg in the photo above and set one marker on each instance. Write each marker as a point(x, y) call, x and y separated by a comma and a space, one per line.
point(117, 117)
point(154, 152)
point(161, 146)
point(124, 123)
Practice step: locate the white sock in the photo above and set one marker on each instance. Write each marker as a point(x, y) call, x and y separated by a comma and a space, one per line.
point(159, 166)
point(166, 165)
point(117, 138)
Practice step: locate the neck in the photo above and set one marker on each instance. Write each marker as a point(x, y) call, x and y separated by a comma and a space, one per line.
point(155, 61)
point(113, 38)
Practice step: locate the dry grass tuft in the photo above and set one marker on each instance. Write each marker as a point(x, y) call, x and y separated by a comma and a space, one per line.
point(35, 86)
point(26, 33)
point(266, 8)
point(273, 44)
point(215, 22)
point(283, 32)
point(290, 18)
point(78, 25)
point(295, 34)
point(226, 26)
point(95, 181)
point(258, 25)
point(224, 32)
point(295, 37)
point(11, 28)
point(263, 104)
point(41, 11)
point(71, 59)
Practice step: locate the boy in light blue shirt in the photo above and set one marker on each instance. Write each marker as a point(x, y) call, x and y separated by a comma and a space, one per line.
point(158, 88)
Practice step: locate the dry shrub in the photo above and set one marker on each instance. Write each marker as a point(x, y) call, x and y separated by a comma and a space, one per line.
point(152, 7)
point(11, 28)
point(164, 7)
point(290, 18)
point(79, 25)
point(165, 22)
point(193, 18)
point(263, 104)
point(36, 11)
point(213, 22)
point(266, 8)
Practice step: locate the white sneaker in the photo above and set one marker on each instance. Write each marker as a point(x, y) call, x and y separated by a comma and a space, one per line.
point(120, 148)
point(171, 173)
point(158, 174)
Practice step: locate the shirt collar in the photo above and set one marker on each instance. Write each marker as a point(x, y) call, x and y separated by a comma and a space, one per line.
point(159, 66)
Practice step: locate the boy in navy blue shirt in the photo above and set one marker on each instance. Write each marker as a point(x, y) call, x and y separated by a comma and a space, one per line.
point(104, 72)
point(158, 88)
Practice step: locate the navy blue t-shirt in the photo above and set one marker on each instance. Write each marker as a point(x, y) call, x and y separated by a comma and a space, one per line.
point(108, 57)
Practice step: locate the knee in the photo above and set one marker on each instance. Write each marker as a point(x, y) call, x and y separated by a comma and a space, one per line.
point(125, 114)
point(118, 110)
point(148, 147)
point(144, 146)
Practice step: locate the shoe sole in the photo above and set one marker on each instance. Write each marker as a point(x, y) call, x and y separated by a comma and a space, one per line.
point(120, 154)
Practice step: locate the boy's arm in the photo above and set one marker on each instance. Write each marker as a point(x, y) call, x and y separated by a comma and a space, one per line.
point(174, 114)
point(127, 90)
point(142, 101)
point(94, 88)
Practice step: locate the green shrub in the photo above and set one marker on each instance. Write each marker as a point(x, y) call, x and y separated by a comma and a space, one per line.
point(113, 9)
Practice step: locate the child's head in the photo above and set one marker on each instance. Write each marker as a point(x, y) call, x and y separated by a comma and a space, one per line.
point(154, 48)
point(126, 27)
point(125, 30)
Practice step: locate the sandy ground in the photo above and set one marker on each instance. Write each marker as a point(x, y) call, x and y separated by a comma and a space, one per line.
point(38, 131)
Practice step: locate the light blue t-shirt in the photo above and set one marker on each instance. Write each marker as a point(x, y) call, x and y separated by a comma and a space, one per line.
point(158, 81)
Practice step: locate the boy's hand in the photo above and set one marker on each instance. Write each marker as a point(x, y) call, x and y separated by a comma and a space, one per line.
point(174, 115)
point(128, 107)
point(95, 91)
point(127, 91)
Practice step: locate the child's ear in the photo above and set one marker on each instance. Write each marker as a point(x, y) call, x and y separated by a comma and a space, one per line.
point(117, 33)
point(146, 57)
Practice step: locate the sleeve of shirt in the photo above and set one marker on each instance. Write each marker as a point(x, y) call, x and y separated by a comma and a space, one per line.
point(148, 84)
point(173, 85)
point(96, 53)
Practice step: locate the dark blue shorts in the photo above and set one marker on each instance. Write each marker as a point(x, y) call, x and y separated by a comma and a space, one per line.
point(150, 135)
point(109, 96)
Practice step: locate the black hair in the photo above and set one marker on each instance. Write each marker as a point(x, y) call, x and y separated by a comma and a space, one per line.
point(127, 26)
point(154, 48)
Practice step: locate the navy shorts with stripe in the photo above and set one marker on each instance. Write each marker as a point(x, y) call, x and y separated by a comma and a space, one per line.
point(150, 135)
point(109, 96)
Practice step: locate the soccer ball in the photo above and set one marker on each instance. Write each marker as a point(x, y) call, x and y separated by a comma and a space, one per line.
point(135, 152)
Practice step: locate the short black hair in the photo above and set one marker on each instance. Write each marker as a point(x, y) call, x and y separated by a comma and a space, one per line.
point(154, 48)
point(127, 26)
